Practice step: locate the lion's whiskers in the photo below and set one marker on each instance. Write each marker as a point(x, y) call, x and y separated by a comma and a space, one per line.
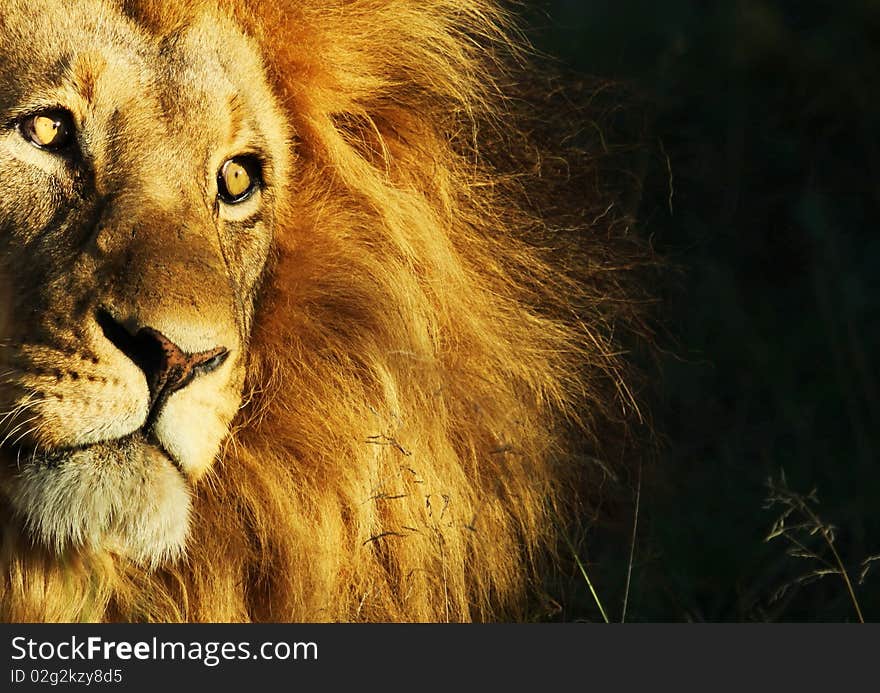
point(26, 432)
point(18, 428)
point(31, 401)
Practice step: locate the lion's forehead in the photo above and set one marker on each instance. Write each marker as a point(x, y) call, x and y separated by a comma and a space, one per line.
point(201, 83)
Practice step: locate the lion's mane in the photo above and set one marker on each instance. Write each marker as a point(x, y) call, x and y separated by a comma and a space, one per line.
point(441, 311)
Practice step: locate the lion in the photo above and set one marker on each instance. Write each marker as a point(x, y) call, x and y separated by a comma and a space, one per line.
point(296, 323)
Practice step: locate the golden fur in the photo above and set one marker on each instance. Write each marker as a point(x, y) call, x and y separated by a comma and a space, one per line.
point(424, 341)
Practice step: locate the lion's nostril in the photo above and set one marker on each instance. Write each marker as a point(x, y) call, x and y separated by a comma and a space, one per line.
point(166, 366)
point(214, 362)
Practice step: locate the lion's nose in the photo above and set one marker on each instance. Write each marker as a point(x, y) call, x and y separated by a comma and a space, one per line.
point(167, 367)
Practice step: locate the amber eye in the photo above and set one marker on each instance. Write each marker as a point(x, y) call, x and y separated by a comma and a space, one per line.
point(52, 130)
point(238, 178)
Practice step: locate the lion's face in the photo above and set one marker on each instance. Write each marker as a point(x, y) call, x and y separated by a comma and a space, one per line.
point(139, 179)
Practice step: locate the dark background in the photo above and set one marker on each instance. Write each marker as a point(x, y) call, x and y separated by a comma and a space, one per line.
point(767, 115)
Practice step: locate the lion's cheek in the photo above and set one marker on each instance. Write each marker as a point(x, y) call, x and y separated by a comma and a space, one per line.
point(194, 424)
point(5, 305)
point(74, 414)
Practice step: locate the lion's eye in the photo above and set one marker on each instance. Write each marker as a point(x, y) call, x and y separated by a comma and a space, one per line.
point(52, 130)
point(238, 178)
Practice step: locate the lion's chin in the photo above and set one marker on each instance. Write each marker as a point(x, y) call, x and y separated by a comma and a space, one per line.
point(123, 496)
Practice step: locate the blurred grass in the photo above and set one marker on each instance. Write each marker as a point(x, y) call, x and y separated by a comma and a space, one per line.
point(769, 113)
